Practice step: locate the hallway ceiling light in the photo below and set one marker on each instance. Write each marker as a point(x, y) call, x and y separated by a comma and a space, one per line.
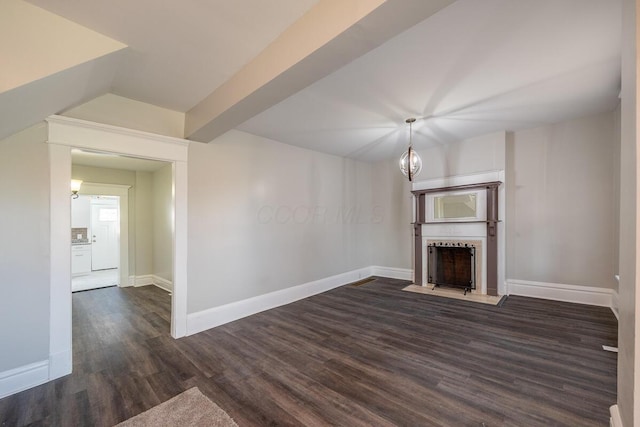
point(410, 161)
point(75, 187)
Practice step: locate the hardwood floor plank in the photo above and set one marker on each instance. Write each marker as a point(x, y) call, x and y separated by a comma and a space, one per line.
point(357, 356)
point(312, 403)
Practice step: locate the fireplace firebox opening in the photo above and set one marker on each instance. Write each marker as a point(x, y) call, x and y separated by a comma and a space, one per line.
point(452, 265)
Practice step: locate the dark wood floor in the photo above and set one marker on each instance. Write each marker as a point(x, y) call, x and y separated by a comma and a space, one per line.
point(369, 355)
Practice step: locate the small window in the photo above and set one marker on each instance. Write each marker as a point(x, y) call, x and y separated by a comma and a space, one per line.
point(108, 214)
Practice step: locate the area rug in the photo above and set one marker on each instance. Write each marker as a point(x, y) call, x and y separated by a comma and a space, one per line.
point(191, 408)
point(456, 294)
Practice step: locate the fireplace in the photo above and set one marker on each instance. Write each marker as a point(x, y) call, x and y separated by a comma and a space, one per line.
point(452, 265)
point(458, 236)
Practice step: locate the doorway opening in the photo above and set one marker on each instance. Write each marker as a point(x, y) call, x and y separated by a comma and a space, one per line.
point(95, 242)
point(126, 204)
point(64, 134)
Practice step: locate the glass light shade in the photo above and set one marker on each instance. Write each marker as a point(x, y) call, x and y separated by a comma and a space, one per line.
point(410, 164)
point(75, 185)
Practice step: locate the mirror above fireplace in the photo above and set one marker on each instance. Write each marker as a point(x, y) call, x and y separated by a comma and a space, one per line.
point(456, 206)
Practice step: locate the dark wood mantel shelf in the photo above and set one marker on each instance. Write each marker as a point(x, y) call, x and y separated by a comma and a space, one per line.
point(454, 222)
point(486, 185)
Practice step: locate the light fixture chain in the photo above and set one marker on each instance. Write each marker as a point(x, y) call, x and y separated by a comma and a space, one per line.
point(410, 121)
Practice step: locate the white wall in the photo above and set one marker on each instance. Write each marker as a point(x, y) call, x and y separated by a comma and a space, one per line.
point(561, 210)
point(162, 219)
point(118, 111)
point(143, 224)
point(480, 154)
point(391, 237)
point(264, 216)
point(24, 251)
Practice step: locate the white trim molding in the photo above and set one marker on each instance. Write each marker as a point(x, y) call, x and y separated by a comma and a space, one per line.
point(162, 283)
point(180, 249)
point(216, 316)
point(23, 377)
point(560, 292)
point(616, 419)
point(60, 364)
point(60, 343)
point(143, 280)
point(152, 279)
point(64, 133)
point(392, 272)
point(108, 138)
point(615, 304)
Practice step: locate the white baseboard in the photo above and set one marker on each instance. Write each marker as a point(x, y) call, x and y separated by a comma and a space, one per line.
point(216, 316)
point(143, 280)
point(60, 364)
point(561, 292)
point(615, 420)
point(23, 377)
point(392, 273)
point(615, 303)
point(152, 279)
point(162, 283)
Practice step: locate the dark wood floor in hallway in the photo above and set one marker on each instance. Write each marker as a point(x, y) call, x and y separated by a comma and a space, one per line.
point(367, 355)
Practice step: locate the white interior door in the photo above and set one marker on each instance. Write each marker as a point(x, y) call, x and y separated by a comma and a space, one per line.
point(105, 226)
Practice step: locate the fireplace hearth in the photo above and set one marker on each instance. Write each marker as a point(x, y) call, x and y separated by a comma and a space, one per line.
point(452, 265)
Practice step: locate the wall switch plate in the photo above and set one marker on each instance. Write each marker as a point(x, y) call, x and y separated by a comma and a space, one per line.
point(79, 236)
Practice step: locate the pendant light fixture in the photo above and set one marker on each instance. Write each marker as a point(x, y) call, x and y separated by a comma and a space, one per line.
point(410, 161)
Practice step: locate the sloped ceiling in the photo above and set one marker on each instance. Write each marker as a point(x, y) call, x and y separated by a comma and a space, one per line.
point(223, 62)
point(48, 63)
point(463, 68)
point(31, 103)
point(180, 51)
point(40, 44)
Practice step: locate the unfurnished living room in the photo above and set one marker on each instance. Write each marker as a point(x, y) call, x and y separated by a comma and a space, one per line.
point(319, 212)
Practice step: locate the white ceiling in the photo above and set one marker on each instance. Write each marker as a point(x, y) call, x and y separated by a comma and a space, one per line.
point(114, 161)
point(180, 51)
point(475, 67)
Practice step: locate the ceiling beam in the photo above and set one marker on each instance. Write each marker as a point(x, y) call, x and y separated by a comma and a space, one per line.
point(329, 36)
